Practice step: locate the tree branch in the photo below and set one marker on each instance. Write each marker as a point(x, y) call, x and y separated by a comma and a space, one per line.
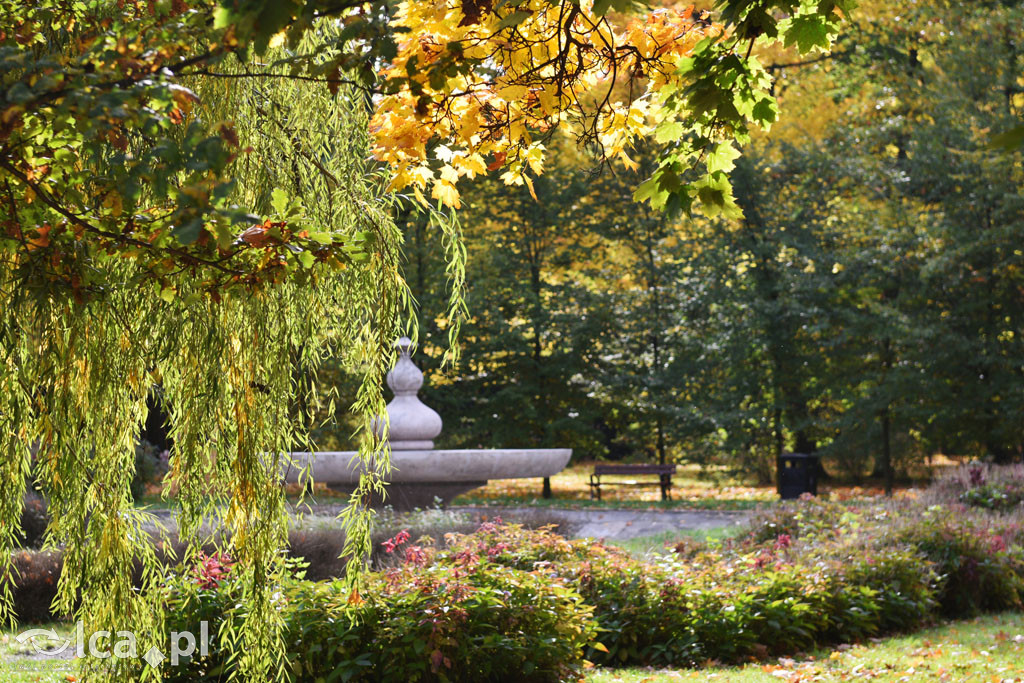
point(45, 197)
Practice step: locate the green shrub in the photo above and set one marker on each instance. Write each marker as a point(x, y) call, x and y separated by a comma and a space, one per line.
point(874, 590)
point(730, 605)
point(457, 621)
point(733, 602)
point(994, 496)
point(798, 518)
point(979, 560)
point(993, 487)
point(507, 602)
point(515, 546)
point(35, 517)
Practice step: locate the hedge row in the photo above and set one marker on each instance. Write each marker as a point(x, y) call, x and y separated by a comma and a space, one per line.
point(320, 546)
point(506, 602)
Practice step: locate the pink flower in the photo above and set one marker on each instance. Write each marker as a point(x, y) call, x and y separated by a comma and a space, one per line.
point(497, 549)
point(212, 570)
point(392, 543)
point(488, 527)
point(415, 555)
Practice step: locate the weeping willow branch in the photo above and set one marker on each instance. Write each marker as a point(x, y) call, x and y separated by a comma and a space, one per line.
point(234, 373)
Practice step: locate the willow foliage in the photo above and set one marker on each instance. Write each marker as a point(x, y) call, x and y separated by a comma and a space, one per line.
point(236, 371)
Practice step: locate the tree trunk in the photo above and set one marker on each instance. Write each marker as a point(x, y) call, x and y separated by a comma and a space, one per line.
point(887, 451)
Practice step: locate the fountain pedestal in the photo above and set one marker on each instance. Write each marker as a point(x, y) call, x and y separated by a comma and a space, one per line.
point(420, 474)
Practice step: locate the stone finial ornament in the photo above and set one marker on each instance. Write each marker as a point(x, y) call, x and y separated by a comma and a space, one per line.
point(413, 425)
point(421, 474)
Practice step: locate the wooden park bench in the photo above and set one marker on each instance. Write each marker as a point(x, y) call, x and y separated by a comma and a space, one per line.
point(662, 472)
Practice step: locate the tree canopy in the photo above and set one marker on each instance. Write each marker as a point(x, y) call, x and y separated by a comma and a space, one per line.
point(866, 306)
point(200, 196)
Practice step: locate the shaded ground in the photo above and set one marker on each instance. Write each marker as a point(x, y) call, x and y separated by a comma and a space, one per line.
point(691, 487)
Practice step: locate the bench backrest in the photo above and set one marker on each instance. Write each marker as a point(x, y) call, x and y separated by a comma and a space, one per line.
point(635, 469)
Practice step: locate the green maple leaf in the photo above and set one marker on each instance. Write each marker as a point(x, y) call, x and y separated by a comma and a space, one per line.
point(808, 32)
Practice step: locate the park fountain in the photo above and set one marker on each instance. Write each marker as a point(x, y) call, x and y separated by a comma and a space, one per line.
point(420, 474)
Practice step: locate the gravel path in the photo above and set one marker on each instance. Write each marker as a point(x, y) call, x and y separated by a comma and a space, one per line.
point(611, 524)
point(615, 524)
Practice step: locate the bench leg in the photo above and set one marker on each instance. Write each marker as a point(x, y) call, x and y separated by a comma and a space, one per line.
point(666, 487)
point(546, 492)
point(595, 486)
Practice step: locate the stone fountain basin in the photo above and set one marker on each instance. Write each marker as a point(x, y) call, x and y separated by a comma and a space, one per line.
point(419, 476)
point(343, 467)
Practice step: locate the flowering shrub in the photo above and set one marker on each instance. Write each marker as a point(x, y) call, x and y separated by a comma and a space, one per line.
point(994, 496)
point(734, 603)
point(390, 544)
point(976, 556)
point(979, 558)
point(515, 546)
point(994, 487)
point(212, 569)
point(507, 602)
point(459, 619)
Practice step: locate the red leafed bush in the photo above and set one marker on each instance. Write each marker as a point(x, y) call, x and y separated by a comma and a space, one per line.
point(212, 569)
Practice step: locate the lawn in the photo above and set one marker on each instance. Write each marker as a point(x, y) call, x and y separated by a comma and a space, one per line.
point(642, 546)
point(17, 668)
point(692, 487)
point(989, 648)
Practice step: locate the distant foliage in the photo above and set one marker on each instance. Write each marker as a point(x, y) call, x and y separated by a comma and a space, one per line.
point(38, 573)
point(150, 467)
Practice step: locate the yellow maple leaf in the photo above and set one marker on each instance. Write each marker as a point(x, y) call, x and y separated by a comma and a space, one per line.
point(445, 192)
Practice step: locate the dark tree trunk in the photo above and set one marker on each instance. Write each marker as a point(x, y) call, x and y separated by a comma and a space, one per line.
point(804, 443)
point(887, 451)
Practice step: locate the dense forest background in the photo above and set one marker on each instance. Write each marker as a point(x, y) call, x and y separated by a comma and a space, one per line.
point(867, 306)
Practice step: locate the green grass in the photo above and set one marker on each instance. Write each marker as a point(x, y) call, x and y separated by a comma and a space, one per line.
point(16, 668)
point(989, 648)
point(39, 672)
point(658, 543)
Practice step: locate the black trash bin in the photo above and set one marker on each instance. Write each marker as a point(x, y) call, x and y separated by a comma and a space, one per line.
point(798, 474)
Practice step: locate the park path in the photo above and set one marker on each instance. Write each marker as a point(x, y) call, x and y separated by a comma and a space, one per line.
point(601, 523)
point(613, 524)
